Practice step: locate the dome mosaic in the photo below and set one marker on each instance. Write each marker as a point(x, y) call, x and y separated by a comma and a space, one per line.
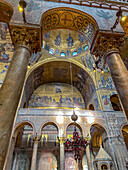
point(64, 43)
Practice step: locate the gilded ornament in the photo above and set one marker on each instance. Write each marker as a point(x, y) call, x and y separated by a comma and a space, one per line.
point(105, 42)
point(29, 36)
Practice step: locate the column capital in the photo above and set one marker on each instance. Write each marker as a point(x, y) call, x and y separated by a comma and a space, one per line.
point(106, 42)
point(36, 138)
point(62, 140)
point(26, 35)
point(87, 138)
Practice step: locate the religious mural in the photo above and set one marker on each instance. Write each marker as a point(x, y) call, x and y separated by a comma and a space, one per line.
point(70, 163)
point(106, 100)
point(46, 160)
point(56, 95)
point(68, 42)
point(6, 50)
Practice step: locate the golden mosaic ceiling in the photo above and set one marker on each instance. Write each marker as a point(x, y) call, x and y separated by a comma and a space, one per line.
point(64, 43)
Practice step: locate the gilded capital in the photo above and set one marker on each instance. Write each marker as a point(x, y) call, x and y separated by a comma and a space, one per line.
point(105, 42)
point(62, 140)
point(26, 35)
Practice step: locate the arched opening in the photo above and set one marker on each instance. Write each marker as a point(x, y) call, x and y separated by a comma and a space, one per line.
point(48, 153)
point(104, 167)
point(22, 153)
point(70, 162)
point(125, 134)
point(115, 102)
point(98, 136)
point(91, 107)
point(59, 72)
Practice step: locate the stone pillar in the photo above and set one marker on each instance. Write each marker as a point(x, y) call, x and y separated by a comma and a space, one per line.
point(119, 75)
point(34, 154)
point(14, 162)
point(13, 83)
point(62, 154)
point(121, 152)
point(10, 154)
point(107, 45)
point(89, 162)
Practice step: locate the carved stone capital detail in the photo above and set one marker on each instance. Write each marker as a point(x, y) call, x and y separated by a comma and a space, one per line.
point(106, 42)
point(26, 35)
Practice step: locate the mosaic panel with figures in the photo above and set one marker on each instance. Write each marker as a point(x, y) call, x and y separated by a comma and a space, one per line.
point(70, 19)
point(56, 95)
point(6, 50)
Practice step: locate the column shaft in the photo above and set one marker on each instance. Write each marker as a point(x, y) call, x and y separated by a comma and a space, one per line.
point(119, 75)
point(14, 162)
point(10, 154)
point(34, 155)
point(9, 96)
point(88, 158)
point(62, 156)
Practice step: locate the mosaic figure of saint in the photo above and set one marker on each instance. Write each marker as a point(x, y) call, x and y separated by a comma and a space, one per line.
point(58, 39)
point(70, 41)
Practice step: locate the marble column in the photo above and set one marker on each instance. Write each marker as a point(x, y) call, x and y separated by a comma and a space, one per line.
point(119, 75)
point(10, 94)
point(106, 44)
point(62, 154)
point(25, 40)
point(34, 154)
point(10, 154)
point(14, 162)
point(88, 158)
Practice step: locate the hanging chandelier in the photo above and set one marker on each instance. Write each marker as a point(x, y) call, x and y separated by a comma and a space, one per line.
point(77, 142)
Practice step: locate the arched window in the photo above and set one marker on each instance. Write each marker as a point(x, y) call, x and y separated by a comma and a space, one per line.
point(91, 107)
point(115, 102)
point(104, 167)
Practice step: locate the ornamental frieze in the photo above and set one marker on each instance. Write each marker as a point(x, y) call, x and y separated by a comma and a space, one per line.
point(68, 18)
point(29, 36)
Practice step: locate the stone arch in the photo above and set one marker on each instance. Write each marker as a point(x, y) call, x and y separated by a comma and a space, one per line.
point(68, 18)
point(103, 163)
point(35, 78)
point(97, 123)
point(97, 132)
point(77, 124)
point(124, 133)
point(115, 102)
point(50, 122)
point(22, 123)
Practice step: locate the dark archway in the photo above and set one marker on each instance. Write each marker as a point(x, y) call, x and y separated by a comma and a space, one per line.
point(115, 102)
point(59, 72)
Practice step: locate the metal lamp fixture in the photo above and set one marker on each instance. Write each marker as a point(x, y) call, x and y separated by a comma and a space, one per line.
point(77, 142)
point(21, 8)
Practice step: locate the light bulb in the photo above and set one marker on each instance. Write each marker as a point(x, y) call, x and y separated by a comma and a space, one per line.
point(102, 71)
point(123, 18)
point(29, 67)
point(20, 9)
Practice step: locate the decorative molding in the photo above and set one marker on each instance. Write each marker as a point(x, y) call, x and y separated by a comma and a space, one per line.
point(105, 42)
point(6, 11)
point(68, 18)
point(26, 35)
point(103, 4)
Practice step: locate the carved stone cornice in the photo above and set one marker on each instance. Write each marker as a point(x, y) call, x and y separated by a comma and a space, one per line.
point(26, 35)
point(104, 42)
point(6, 11)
